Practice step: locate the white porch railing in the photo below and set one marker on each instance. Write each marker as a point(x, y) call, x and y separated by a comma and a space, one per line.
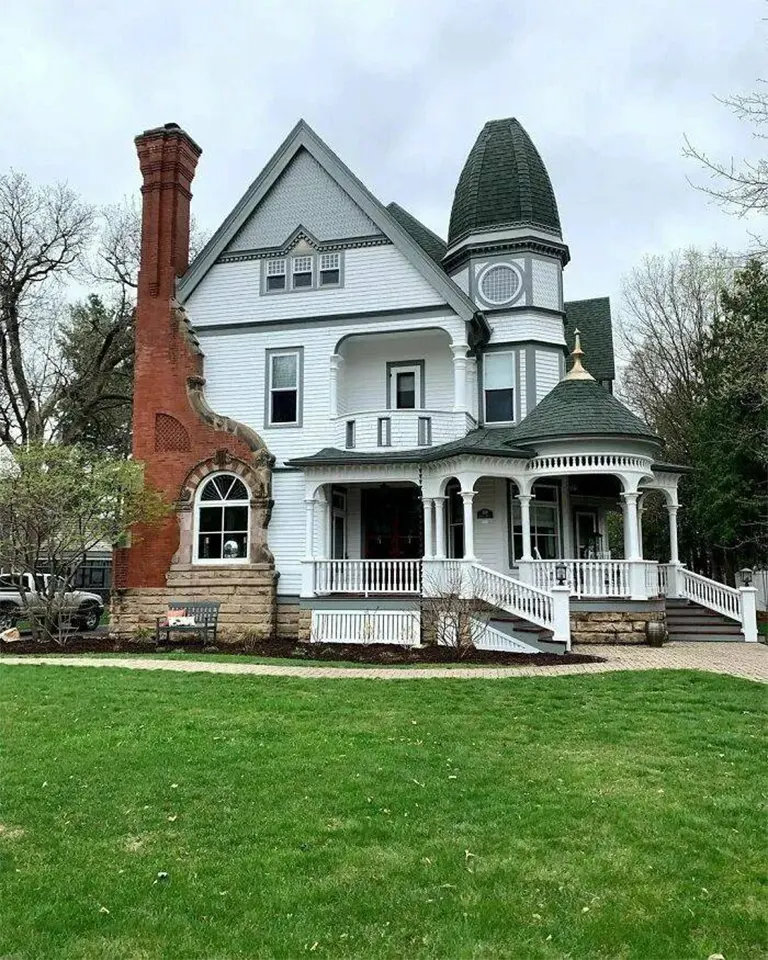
point(367, 577)
point(400, 429)
point(514, 596)
point(597, 578)
point(711, 594)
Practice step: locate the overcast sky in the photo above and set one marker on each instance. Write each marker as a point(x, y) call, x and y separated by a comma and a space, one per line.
point(399, 90)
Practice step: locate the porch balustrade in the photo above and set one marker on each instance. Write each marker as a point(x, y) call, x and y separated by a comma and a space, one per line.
point(368, 577)
point(399, 429)
point(595, 578)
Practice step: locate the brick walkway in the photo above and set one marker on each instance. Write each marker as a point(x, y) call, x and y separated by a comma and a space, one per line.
point(747, 660)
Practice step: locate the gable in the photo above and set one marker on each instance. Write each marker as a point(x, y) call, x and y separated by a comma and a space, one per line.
point(303, 138)
point(303, 195)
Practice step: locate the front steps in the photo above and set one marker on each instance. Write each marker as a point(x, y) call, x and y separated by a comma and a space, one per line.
point(687, 621)
point(525, 632)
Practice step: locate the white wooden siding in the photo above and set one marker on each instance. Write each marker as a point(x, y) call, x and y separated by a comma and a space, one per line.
point(375, 278)
point(523, 386)
point(303, 194)
point(547, 372)
point(363, 378)
point(491, 535)
point(461, 279)
point(285, 534)
point(510, 327)
point(235, 368)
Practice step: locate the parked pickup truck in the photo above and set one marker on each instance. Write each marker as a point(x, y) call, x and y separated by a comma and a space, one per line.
point(84, 609)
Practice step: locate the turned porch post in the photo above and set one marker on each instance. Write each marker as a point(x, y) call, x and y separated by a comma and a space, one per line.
point(525, 517)
point(439, 527)
point(427, 503)
point(333, 404)
point(673, 548)
point(459, 376)
point(467, 497)
point(308, 563)
point(631, 550)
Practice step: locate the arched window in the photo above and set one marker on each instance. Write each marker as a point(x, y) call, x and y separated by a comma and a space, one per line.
point(222, 520)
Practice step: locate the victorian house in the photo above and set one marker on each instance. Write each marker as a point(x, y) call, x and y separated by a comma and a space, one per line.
point(351, 413)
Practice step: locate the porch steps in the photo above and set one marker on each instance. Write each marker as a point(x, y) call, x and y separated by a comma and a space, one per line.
point(688, 621)
point(518, 629)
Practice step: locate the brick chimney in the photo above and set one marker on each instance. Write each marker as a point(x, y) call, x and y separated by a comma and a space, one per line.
point(172, 429)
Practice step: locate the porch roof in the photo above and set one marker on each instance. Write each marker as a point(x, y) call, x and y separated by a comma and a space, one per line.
point(483, 442)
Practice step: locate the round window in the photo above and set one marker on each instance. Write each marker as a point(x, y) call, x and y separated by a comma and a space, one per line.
point(500, 283)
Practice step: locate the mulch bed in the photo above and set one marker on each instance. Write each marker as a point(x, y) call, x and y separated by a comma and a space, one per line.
point(287, 649)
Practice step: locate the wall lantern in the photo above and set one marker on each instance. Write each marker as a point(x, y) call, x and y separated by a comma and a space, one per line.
point(484, 515)
point(561, 572)
point(746, 576)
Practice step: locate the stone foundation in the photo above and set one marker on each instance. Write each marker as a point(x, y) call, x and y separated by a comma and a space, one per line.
point(612, 626)
point(247, 596)
point(305, 625)
point(287, 619)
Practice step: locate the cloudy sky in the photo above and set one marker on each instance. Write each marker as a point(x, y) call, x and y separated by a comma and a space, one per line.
point(399, 89)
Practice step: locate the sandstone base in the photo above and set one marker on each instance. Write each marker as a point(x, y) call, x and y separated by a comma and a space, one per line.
point(247, 596)
point(609, 626)
point(287, 618)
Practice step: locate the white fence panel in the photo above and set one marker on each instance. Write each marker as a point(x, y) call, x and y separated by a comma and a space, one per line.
point(399, 627)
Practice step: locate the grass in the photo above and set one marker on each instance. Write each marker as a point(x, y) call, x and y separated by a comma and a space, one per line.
point(610, 816)
point(284, 661)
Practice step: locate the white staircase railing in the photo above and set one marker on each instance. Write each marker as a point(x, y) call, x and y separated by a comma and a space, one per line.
point(367, 577)
point(545, 608)
point(710, 593)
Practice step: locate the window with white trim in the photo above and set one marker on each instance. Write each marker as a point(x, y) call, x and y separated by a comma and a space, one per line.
point(223, 509)
point(330, 269)
point(301, 272)
point(275, 275)
point(499, 387)
point(283, 387)
point(545, 523)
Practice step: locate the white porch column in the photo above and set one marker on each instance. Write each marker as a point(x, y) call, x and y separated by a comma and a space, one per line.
point(459, 376)
point(672, 509)
point(640, 512)
point(471, 381)
point(467, 497)
point(333, 403)
point(631, 550)
point(565, 500)
point(525, 517)
point(308, 563)
point(440, 527)
point(427, 504)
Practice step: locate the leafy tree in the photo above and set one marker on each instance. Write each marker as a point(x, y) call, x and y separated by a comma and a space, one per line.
point(730, 427)
point(56, 503)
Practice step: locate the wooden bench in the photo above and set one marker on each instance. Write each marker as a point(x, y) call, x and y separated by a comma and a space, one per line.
point(205, 612)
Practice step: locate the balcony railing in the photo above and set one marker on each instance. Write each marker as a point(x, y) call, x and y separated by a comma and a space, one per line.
point(596, 578)
point(380, 430)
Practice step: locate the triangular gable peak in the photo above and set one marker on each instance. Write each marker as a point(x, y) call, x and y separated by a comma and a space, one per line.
point(304, 191)
point(245, 223)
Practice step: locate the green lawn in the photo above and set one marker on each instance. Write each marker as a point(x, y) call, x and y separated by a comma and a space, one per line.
point(610, 816)
point(200, 656)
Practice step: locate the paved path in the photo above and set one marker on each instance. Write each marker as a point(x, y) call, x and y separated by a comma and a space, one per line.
point(747, 660)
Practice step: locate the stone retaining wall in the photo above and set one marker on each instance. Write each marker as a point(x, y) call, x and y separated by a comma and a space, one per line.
point(287, 619)
point(608, 626)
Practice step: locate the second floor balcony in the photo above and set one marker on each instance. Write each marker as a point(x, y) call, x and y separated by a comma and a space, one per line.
point(401, 390)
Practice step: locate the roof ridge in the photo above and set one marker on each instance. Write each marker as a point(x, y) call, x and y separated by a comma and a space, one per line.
point(423, 226)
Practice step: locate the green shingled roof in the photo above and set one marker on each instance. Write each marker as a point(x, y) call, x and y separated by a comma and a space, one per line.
point(504, 183)
point(579, 408)
point(593, 319)
point(429, 242)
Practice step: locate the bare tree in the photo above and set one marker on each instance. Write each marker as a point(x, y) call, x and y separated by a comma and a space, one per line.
point(44, 234)
point(453, 614)
point(740, 187)
point(668, 304)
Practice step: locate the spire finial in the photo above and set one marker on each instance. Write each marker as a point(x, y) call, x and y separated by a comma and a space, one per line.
point(577, 371)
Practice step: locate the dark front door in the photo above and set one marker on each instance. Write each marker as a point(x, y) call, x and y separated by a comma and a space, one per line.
point(391, 523)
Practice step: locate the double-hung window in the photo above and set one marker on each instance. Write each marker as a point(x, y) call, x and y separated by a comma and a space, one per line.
point(302, 272)
point(405, 385)
point(499, 387)
point(545, 523)
point(330, 269)
point(284, 387)
point(275, 275)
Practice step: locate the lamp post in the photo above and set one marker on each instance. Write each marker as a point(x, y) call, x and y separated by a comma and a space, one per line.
point(746, 575)
point(561, 572)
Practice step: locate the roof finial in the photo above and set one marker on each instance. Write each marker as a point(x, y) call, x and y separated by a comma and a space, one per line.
point(577, 371)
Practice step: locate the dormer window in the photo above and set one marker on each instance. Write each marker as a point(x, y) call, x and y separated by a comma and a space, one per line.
point(302, 272)
point(275, 275)
point(330, 269)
